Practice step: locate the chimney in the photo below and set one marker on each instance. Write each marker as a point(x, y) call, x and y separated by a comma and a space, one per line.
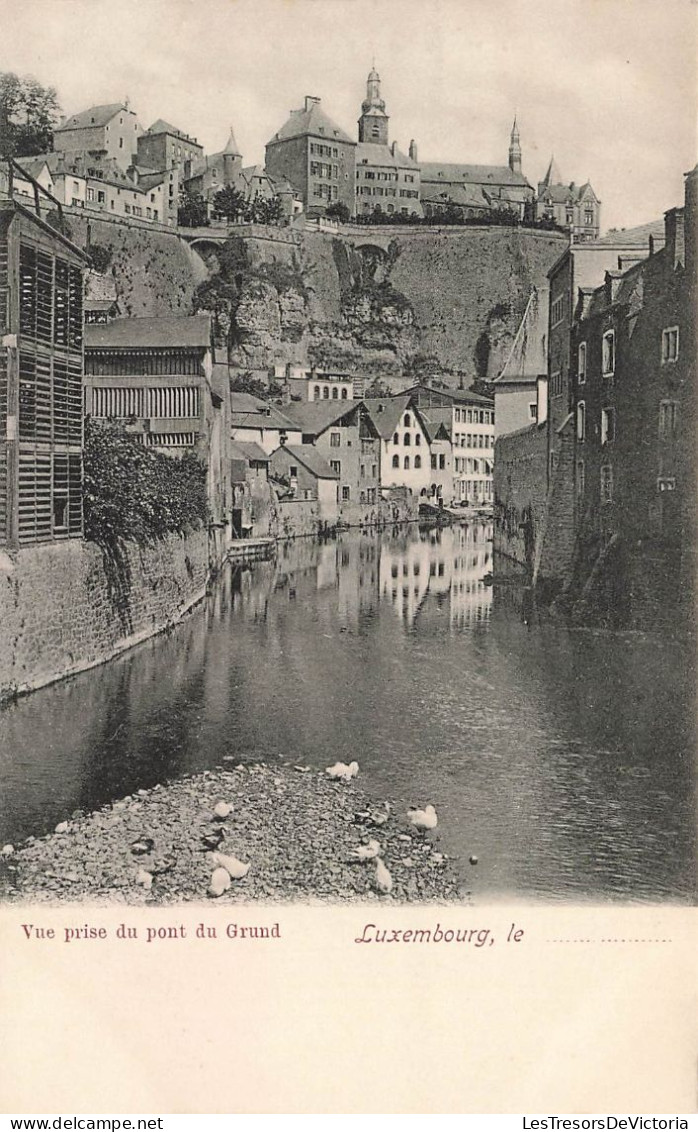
point(674, 237)
point(413, 150)
point(310, 101)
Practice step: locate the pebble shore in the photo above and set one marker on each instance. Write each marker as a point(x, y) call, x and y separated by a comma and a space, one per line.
point(298, 829)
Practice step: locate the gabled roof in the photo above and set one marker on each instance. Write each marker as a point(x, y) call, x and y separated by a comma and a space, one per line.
point(314, 417)
point(95, 116)
point(311, 120)
point(248, 411)
point(631, 236)
point(528, 355)
point(247, 450)
point(34, 166)
point(175, 332)
point(438, 422)
point(385, 413)
point(370, 153)
point(473, 174)
point(163, 127)
point(311, 459)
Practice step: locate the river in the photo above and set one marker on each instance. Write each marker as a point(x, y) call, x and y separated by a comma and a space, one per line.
point(562, 760)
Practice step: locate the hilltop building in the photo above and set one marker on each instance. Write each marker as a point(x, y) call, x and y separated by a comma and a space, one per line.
point(109, 131)
point(476, 189)
point(316, 157)
point(387, 180)
point(575, 208)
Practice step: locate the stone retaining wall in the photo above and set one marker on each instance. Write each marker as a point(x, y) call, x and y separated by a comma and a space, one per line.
point(65, 607)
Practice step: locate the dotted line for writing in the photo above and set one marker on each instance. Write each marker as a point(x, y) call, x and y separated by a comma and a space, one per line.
point(609, 941)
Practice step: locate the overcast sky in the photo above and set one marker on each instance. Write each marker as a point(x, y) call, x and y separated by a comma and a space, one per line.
point(608, 86)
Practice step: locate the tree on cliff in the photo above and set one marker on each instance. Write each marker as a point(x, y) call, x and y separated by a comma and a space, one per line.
point(230, 203)
point(29, 114)
point(192, 211)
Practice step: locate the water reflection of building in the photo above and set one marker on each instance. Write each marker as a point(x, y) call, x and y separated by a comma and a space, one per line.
point(439, 568)
point(471, 598)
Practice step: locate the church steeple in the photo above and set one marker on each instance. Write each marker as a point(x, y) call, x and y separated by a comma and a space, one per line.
point(515, 149)
point(373, 123)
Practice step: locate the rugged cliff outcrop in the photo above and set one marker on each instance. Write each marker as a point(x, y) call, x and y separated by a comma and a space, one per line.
point(378, 303)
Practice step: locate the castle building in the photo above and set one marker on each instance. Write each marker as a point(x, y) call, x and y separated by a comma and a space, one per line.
point(316, 156)
point(387, 180)
point(477, 189)
point(109, 131)
point(573, 207)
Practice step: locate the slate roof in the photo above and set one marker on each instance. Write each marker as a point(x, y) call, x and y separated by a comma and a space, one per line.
point(438, 172)
point(163, 127)
point(248, 411)
point(311, 459)
point(468, 196)
point(437, 421)
point(248, 450)
point(315, 416)
point(33, 165)
point(370, 153)
point(95, 116)
point(638, 235)
point(385, 412)
point(134, 333)
point(313, 121)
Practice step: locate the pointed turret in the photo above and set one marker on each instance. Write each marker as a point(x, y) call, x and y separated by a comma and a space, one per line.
point(515, 149)
point(553, 176)
point(373, 123)
point(232, 161)
point(231, 146)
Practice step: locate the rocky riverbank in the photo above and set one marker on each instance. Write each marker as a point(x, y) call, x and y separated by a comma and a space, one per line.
point(298, 829)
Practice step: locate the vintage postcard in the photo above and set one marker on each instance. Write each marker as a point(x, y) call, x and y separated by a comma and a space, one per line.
point(347, 557)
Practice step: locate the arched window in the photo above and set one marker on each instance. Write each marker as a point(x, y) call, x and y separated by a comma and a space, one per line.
point(581, 420)
point(406, 465)
point(418, 461)
point(316, 393)
point(325, 393)
point(396, 438)
point(396, 461)
point(335, 394)
point(407, 440)
point(407, 421)
point(344, 394)
point(418, 440)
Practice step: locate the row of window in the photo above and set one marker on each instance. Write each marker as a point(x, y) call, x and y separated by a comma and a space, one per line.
point(145, 402)
point(323, 150)
point(474, 416)
point(465, 464)
point(668, 421)
point(407, 439)
point(323, 393)
point(50, 299)
point(320, 169)
point(474, 440)
point(406, 462)
point(669, 352)
point(326, 192)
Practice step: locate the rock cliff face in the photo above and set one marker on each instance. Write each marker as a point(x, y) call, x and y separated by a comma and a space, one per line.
point(450, 299)
point(377, 303)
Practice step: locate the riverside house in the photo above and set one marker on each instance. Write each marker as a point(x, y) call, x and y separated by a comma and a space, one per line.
point(41, 371)
point(347, 439)
point(157, 376)
point(254, 420)
point(405, 452)
point(302, 474)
